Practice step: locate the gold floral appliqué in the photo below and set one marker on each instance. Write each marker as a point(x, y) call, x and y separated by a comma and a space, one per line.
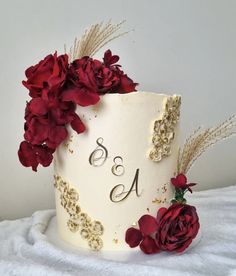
point(79, 221)
point(163, 132)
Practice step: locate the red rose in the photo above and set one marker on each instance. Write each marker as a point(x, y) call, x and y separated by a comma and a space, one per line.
point(177, 227)
point(48, 74)
point(135, 237)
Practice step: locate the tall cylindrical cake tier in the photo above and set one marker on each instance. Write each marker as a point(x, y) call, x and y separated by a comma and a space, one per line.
point(118, 170)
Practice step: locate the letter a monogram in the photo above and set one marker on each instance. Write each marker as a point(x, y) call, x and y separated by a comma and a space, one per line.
point(116, 195)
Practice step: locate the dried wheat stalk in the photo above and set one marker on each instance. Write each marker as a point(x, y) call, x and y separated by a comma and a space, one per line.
point(94, 39)
point(200, 140)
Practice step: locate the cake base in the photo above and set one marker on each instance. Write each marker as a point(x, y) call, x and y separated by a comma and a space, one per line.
point(134, 255)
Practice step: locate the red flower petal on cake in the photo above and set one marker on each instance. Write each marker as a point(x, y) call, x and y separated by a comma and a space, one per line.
point(80, 96)
point(160, 214)
point(133, 237)
point(37, 107)
point(148, 246)
point(147, 224)
point(109, 59)
point(77, 124)
point(27, 156)
point(56, 135)
point(126, 84)
point(32, 156)
point(36, 130)
point(44, 155)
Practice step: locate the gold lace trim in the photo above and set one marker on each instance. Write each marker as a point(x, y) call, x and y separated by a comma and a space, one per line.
point(164, 134)
point(79, 221)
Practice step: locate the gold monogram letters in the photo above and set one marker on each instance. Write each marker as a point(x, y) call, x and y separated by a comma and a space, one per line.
point(118, 193)
point(99, 156)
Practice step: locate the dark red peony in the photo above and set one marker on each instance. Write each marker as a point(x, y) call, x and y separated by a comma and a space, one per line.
point(81, 87)
point(143, 235)
point(180, 182)
point(88, 78)
point(177, 227)
point(48, 74)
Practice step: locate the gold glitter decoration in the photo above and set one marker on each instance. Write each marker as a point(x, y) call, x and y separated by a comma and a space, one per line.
point(159, 201)
point(164, 132)
point(115, 241)
point(79, 221)
point(67, 144)
point(161, 191)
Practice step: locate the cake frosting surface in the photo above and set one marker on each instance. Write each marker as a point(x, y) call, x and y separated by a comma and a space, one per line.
point(118, 170)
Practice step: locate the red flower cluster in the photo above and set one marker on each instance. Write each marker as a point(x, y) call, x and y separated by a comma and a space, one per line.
point(172, 230)
point(55, 87)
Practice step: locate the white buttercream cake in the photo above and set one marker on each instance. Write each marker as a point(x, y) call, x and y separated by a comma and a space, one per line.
point(118, 170)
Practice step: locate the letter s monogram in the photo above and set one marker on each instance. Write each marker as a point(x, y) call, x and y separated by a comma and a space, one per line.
point(98, 157)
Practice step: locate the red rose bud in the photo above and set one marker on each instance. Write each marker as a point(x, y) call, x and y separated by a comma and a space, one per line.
point(177, 227)
point(180, 182)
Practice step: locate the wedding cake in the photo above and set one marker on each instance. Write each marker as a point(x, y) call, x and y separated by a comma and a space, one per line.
point(118, 169)
point(120, 175)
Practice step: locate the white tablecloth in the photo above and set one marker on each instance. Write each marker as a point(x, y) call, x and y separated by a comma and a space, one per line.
point(30, 246)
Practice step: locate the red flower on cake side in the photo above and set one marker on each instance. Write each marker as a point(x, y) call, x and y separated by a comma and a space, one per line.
point(142, 236)
point(173, 229)
point(56, 87)
point(178, 225)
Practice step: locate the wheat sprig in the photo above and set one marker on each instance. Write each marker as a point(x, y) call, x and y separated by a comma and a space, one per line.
point(200, 140)
point(94, 39)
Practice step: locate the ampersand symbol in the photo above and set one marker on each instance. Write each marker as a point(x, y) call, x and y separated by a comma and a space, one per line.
point(118, 168)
